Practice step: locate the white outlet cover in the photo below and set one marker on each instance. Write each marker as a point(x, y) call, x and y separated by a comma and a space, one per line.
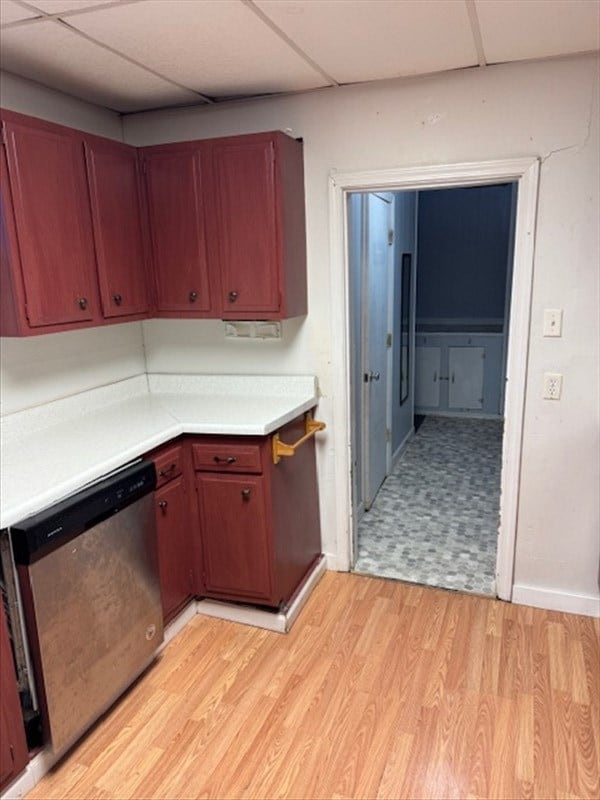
point(552, 386)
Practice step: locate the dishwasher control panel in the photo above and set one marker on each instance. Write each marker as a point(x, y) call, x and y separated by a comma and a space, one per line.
point(44, 532)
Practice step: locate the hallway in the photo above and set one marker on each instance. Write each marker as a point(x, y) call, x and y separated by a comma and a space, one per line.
point(435, 519)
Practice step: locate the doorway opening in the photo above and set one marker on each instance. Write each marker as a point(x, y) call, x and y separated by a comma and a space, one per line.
point(522, 175)
point(430, 295)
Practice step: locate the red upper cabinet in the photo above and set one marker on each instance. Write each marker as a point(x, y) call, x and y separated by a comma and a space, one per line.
point(51, 213)
point(114, 184)
point(258, 229)
point(176, 195)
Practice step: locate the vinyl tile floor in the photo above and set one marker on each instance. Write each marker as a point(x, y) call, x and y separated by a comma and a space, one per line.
point(435, 518)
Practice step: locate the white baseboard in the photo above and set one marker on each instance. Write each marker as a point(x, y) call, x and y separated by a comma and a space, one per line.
point(401, 447)
point(428, 412)
point(588, 605)
point(280, 622)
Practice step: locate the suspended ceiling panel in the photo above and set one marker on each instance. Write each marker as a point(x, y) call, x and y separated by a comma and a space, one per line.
point(56, 6)
point(356, 40)
point(513, 30)
point(217, 47)
point(49, 53)
point(11, 12)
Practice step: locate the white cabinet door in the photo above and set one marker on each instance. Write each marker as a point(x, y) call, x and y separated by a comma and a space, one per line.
point(427, 376)
point(465, 377)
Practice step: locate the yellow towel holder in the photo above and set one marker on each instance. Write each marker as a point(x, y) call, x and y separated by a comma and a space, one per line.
point(311, 426)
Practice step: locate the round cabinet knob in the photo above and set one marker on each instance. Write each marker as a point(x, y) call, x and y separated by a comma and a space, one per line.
point(246, 494)
point(162, 504)
point(82, 303)
point(193, 297)
point(118, 299)
point(233, 296)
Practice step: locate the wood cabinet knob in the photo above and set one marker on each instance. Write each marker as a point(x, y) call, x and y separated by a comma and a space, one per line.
point(246, 494)
point(82, 303)
point(193, 297)
point(118, 299)
point(233, 296)
point(162, 504)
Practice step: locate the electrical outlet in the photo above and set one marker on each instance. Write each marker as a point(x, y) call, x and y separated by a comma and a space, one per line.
point(552, 385)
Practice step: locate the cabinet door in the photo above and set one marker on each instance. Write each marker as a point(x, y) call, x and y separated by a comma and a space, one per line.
point(235, 537)
point(427, 377)
point(115, 200)
point(246, 230)
point(13, 747)
point(174, 184)
point(51, 208)
point(465, 368)
point(174, 531)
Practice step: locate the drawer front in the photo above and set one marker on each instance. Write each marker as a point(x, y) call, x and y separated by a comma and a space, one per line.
point(169, 464)
point(227, 457)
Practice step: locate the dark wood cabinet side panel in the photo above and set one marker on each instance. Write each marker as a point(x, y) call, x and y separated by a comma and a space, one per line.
point(177, 229)
point(296, 516)
point(52, 215)
point(115, 202)
point(236, 537)
point(13, 746)
point(291, 209)
point(246, 227)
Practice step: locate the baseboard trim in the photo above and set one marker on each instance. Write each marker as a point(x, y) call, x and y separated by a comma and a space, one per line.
point(402, 447)
point(280, 622)
point(428, 412)
point(588, 605)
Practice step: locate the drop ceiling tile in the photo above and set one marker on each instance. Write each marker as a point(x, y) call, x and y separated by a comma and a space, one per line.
point(512, 30)
point(49, 53)
point(56, 6)
point(360, 40)
point(11, 12)
point(217, 47)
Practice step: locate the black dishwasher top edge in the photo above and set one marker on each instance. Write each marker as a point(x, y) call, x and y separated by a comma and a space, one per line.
point(42, 533)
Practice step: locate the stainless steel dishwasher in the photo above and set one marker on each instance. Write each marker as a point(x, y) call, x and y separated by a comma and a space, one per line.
point(88, 574)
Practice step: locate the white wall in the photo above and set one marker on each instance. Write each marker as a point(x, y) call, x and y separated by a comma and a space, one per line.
point(545, 109)
point(43, 368)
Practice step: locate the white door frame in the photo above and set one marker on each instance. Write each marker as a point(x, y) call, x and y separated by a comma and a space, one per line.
point(526, 172)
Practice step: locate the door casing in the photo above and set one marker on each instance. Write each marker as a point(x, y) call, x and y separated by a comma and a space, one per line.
point(525, 171)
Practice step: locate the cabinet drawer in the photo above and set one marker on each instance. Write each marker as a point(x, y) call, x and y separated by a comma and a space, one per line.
point(227, 457)
point(168, 465)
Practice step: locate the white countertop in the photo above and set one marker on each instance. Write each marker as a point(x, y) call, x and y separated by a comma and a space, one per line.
point(51, 451)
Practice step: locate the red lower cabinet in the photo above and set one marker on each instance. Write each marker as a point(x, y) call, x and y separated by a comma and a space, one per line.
point(236, 536)
point(259, 521)
point(242, 528)
point(13, 746)
point(176, 527)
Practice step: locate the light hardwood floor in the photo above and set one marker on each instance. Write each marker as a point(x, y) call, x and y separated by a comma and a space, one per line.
point(381, 689)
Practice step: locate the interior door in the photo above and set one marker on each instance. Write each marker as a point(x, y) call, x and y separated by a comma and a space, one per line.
point(465, 378)
point(375, 372)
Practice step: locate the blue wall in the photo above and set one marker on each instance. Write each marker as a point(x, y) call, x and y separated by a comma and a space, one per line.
point(463, 243)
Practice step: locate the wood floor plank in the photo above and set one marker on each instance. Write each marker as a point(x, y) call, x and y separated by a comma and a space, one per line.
point(381, 689)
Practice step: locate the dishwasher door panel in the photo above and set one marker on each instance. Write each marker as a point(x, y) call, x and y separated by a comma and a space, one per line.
point(98, 614)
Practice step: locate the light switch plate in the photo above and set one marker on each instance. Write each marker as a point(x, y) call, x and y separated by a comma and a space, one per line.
point(553, 322)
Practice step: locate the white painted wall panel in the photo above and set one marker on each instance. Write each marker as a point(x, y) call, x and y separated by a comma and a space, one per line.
point(545, 109)
point(39, 369)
